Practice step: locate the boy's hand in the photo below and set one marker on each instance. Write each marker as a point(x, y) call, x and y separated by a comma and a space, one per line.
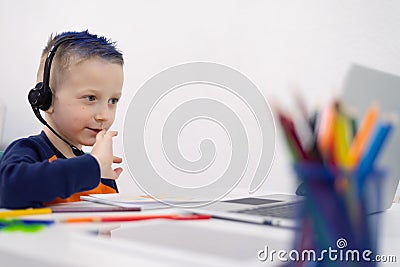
point(103, 152)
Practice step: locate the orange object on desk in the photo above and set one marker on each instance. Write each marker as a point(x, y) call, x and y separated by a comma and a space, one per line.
point(137, 218)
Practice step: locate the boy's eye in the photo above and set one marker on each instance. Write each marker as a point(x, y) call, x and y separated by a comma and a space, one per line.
point(91, 97)
point(113, 101)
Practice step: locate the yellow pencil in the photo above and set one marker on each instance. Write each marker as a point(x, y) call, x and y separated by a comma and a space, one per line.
point(341, 147)
point(24, 212)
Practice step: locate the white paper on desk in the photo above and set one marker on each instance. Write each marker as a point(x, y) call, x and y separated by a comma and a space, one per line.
point(125, 200)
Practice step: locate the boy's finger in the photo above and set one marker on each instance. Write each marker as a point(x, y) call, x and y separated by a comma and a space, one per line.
point(116, 173)
point(111, 133)
point(100, 135)
point(117, 159)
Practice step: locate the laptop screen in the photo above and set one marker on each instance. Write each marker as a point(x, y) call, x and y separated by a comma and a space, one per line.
point(365, 86)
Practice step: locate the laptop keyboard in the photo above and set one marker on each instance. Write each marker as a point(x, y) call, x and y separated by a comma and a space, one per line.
point(287, 210)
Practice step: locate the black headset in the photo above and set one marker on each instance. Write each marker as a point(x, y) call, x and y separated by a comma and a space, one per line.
point(41, 97)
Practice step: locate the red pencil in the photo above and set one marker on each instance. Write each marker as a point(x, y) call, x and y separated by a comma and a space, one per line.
point(291, 135)
point(137, 218)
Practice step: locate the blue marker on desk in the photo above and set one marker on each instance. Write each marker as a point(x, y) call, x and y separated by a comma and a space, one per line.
point(372, 152)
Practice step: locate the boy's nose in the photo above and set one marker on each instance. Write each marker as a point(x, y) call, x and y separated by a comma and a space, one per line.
point(102, 113)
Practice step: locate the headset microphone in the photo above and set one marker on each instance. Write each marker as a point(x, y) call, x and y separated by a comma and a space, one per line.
point(41, 96)
point(75, 150)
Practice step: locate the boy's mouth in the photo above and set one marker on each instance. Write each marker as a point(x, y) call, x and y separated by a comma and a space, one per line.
point(96, 130)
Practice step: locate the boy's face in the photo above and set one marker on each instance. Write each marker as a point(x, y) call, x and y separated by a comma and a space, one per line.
point(85, 100)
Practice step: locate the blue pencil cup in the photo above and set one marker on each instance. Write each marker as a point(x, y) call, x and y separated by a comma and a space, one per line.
point(335, 228)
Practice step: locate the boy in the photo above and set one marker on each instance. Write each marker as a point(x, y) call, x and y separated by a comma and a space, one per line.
point(85, 84)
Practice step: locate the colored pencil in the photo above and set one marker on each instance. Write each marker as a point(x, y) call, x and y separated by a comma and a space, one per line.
point(24, 212)
point(362, 136)
point(137, 218)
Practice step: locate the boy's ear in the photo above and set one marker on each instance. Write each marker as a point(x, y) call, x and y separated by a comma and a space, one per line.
point(50, 110)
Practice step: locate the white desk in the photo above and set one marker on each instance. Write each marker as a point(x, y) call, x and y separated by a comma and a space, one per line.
point(162, 243)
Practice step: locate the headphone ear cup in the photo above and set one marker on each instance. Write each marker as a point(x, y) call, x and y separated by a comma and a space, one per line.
point(47, 98)
point(34, 95)
point(39, 97)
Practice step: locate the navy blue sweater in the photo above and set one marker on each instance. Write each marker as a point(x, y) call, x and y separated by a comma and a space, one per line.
point(29, 179)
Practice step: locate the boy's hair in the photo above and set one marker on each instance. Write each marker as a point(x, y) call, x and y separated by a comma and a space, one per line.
point(77, 50)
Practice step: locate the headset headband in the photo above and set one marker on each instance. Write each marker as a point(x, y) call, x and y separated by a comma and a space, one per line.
point(52, 53)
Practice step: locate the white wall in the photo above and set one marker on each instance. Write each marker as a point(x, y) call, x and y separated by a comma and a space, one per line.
point(277, 44)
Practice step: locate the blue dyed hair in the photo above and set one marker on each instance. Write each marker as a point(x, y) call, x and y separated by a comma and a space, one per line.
point(76, 50)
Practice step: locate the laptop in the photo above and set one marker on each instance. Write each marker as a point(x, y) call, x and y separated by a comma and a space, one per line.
point(362, 86)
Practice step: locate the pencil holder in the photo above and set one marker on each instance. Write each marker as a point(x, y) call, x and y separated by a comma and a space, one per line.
point(335, 226)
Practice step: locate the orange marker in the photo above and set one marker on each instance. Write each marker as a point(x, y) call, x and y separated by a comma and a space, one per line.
point(362, 136)
point(325, 131)
point(79, 220)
